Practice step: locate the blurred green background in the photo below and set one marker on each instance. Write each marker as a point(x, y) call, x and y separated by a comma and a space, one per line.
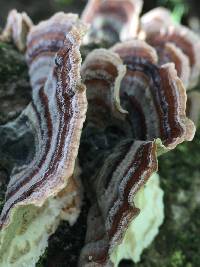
point(40, 9)
point(186, 11)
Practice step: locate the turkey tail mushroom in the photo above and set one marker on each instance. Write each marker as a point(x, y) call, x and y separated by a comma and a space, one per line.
point(156, 19)
point(44, 40)
point(111, 21)
point(137, 110)
point(102, 73)
point(162, 33)
point(157, 92)
point(45, 189)
point(155, 101)
point(171, 53)
point(16, 30)
point(116, 184)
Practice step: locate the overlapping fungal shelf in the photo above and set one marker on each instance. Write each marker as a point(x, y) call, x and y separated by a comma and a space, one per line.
point(156, 19)
point(161, 34)
point(46, 189)
point(157, 93)
point(44, 41)
point(152, 100)
point(136, 94)
point(105, 70)
point(111, 21)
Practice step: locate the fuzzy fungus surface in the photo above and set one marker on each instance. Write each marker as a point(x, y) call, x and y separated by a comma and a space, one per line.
point(99, 126)
point(45, 188)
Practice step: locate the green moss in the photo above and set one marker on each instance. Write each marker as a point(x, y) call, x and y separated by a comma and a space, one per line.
point(177, 259)
point(182, 163)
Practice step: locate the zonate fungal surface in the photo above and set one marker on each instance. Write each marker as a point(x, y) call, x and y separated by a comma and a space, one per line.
point(98, 126)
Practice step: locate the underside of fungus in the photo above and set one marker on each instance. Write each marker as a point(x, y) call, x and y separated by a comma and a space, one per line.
point(111, 21)
point(46, 188)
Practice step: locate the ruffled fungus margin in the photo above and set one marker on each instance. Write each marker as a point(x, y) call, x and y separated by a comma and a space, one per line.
point(45, 189)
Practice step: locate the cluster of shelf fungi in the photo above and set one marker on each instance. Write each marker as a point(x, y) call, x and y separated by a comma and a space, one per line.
point(97, 127)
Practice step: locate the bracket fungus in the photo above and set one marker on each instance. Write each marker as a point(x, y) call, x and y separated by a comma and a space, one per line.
point(161, 33)
point(156, 19)
point(156, 92)
point(16, 29)
point(136, 94)
point(152, 121)
point(111, 21)
point(45, 189)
